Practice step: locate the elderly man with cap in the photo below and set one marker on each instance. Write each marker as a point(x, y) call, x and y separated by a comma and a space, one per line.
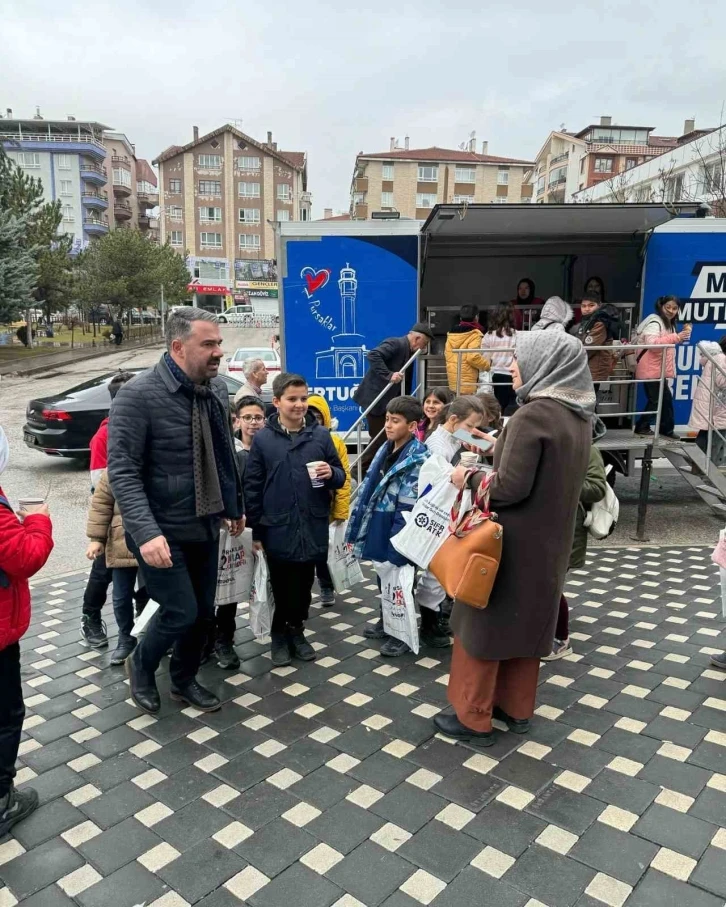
point(385, 364)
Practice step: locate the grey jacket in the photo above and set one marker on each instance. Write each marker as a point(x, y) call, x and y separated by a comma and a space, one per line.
point(151, 461)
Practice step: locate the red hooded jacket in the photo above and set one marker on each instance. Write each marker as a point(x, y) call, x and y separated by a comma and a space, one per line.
point(24, 548)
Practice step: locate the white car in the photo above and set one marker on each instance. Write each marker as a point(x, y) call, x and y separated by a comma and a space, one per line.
point(270, 357)
point(236, 314)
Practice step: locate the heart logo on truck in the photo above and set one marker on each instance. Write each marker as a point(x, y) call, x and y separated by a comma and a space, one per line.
point(315, 280)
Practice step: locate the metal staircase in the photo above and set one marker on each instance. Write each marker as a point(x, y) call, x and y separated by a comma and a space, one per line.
point(706, 479)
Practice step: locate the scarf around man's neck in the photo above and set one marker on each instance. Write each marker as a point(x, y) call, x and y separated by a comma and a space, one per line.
point(216, 479)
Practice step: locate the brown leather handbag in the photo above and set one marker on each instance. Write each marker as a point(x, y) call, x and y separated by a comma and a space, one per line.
point(466, 564)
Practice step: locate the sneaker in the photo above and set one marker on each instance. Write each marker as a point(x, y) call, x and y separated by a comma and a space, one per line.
point(375, 631)
point(225, 655)
point(124, 647)
point(645, 432)
point(560, 649)
point(392, 648)
point(327, 596)
point(279, 650)
point(93, 632)
point(15, 806)
point(671, 435)
point(719, 661)
point(299, 646)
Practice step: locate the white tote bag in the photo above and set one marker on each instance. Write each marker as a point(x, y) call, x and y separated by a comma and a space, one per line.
point(236, 566)
point(344, 568)
point(399, 611)
point(261, 602)
point(427, 527)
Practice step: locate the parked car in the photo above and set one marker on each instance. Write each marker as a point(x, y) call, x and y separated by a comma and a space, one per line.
point(270, 357)
point(236, 314)
point(62, 425)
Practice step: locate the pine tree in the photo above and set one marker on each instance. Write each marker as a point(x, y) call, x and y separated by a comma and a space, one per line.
point(18, 269)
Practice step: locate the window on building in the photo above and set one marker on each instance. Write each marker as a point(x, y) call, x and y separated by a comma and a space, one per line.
point(582, 165)
point(210, 187)
point(174, 186)
point(210, 240)
point(540, 185)
point(304, 214)
point(175, 212)
point(249, 190)
point(465, 175)
point(68, 215)
point(207, 269)
point(502, 177)
point(387, 200)
point(176, 238)
point(712, 179)
point(147, 188)
point(603, 165)
point(359, 198)
point(29, 159)
point(428, 173)
point(249, 215)
point(282, 214)
point(64, 161)
point(557, 176)
point(425, 200)
point(121, 177)
point(501, 200)
point(209, 161)
point(630, 162)
point(248, 163)
point(387, 172)
point(66, 187)
point(249, 240)
point(284, 192)
point(210, 215)
point(526, 199)
point(463, 199)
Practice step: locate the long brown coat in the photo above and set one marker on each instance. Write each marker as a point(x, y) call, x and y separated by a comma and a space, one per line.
point(106, 526)
point(541, 461)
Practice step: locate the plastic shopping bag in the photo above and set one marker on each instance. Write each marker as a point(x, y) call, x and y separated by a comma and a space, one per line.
point(143, 620)
point(427, 528)
point(399, 611)
point(236, 565)
point(261, 601)
point(344, 568)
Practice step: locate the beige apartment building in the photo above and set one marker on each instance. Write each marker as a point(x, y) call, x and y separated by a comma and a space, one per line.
point(220, 194)
point(411, 181)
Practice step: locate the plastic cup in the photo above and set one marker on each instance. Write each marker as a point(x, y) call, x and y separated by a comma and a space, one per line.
point(312, 468)
point(30, 502)
point(469, 458)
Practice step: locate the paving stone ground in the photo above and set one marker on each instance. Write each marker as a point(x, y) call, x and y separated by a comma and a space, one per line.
point(322, 784)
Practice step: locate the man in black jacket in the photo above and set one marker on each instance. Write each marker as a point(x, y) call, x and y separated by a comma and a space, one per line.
point(385, 364)
point(173, 471)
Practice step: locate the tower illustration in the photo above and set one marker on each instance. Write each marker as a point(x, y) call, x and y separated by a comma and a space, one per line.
point(346, 356)
point(348, 286)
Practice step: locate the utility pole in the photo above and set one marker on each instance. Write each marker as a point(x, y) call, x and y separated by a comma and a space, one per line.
point(163, 309)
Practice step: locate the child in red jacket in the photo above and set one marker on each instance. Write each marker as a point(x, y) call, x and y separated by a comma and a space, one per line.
point(26, 541)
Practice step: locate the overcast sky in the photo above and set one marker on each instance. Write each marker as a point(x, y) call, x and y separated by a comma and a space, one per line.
point(333, 81)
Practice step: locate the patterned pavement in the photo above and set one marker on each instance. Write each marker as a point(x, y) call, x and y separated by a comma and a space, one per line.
point(322, 784)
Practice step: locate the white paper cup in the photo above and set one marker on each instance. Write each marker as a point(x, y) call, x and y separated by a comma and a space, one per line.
point(469, 458)
point(29, 502)
point(312, 468)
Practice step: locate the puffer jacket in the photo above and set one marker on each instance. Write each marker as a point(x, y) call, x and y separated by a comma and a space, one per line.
point(653, 330)
point(340, 508)
point(593, 490)
point(285, 512)
point(24, 548)
point(151, 459)
point(594, 332)
point(463, 337)
point(105, 525)
point(383, 499)
point(702, 404)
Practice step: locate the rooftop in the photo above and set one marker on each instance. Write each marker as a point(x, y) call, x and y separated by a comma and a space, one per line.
point(294, 159)
point(445, 155)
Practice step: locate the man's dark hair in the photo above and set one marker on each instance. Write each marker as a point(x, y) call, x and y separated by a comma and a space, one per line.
point(468, 313)
point(592, 297)
point(408, 407)
point(249, 400)
point(118, 381)
point(287, 379)
point(179, 323)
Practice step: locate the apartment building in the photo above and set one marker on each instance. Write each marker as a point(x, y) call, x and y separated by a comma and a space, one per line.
point(219, 196)
point(78, 163)
point(411, 181)
point(571, 161)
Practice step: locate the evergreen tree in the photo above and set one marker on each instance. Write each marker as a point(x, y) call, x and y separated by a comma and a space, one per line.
point(18, 268)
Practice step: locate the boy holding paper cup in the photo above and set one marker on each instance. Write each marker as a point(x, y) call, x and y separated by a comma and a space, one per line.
point(291, 470)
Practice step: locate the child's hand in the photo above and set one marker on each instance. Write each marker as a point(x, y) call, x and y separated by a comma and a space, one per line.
point(257, 547)
point(94, 550)
point(324, 471)
point(458, 476)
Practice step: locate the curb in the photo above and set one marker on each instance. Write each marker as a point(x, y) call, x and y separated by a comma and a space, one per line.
point(9, 371)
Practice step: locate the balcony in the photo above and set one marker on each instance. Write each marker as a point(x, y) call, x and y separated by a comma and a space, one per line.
point(144, 222)
point(121, 160)
point(94, 198)
point(560, 157)
point(561, 180)
point(361, 184)
point(95, 226)
point(122, 210)
point(147, 199)
point(120, 188)
point(60, 144)
point(92, 173)
point(360, 211)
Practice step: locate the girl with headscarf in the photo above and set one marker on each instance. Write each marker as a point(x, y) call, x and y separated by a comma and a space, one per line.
point(25, 544)
point(526, 298)
point(540, 463)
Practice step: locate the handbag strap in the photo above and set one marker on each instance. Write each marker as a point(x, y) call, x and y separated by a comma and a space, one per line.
point(479, 512)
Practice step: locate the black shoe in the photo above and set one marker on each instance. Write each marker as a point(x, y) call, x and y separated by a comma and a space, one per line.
point(719, 661)
point(225, 655)
point(299, 646)
point(327, 596)
point(93, 632)
point(433, 633)
point(280, 650)
point(450, 726)
point(515, 725)
point(124, 647)
point(392, 648)
point(15, 806)
point(646, 432)
point(194, 694)
point(375, 631)
point(143, 688)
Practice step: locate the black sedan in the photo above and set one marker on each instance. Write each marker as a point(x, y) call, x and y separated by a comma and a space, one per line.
point(62, 425)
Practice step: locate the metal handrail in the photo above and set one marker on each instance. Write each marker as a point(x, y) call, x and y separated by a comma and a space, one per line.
point(42, 139)
point(711, 397)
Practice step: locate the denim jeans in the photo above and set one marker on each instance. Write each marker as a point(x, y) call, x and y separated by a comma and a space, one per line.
point(185, 593)
point(667, 418)
point(124, 579)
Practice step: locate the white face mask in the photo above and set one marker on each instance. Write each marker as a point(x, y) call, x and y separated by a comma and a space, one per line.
point(4, 451)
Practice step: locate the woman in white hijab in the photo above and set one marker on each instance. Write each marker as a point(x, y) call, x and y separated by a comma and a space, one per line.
point(25, 545)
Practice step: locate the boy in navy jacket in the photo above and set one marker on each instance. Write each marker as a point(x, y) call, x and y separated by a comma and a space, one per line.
point(288, 515)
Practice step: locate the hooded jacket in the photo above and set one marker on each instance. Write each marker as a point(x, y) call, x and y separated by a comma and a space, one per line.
point(465, 337)
point(285, 512)
point(594, 331)
point(340, 508)
point(105, 525)
point(653, 330)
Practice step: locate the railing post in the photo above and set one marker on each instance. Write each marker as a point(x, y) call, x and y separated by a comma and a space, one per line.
point(661, 388)
point(646, 468)
point(709, 443)
point(360, 454)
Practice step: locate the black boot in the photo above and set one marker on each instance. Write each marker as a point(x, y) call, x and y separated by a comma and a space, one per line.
point(15, 806)
point(375, 631)
point(515, 725)
point(299, 646)
point(225, 655)
point(280, 650)
point(125, 645)
point(143, 688)
point(450, 726)
point(194, 694)
point(432, 632)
